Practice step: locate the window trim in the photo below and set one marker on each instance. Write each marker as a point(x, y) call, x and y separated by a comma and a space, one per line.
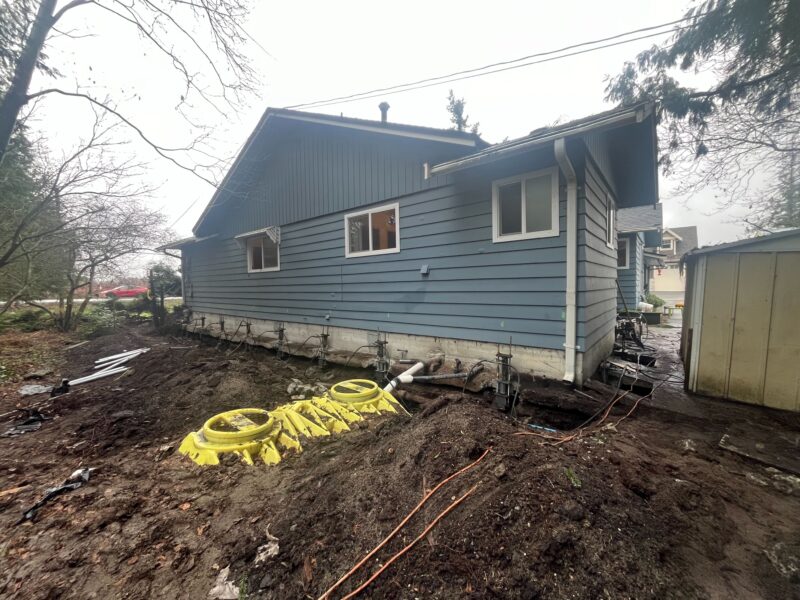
point(263, 236)
point(384, 207)
point(627, 264)
point(671, 242)
point(611, 222)
point(555, 228)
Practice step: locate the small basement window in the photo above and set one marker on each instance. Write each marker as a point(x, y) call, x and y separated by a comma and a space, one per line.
point(525, 206)
point(373, 231)
point(262, 255)
point(611, 221)
point(623, 253)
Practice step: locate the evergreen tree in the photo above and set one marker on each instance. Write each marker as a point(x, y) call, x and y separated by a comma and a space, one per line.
point(460, 121)
point(748, 120)
point(780, 208)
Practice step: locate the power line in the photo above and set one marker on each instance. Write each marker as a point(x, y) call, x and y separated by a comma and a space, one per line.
point(475, 72)
point(473, 76)
point(257, 43)
point(183, 214)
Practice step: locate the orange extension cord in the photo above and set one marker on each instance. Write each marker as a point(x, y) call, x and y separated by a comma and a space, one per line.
point(430, 526)
point(425, 498)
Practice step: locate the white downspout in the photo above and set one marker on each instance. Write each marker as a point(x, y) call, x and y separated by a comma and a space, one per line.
point(570, 336)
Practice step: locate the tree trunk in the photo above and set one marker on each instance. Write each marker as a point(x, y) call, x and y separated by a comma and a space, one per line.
point(85, 302)
point(9, 304)
point(17, 95)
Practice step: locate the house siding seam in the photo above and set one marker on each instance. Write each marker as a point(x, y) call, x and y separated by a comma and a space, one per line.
point(631, 280)
point(476, 289)
point(596, 262)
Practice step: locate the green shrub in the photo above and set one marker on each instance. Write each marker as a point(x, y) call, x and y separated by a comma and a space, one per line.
point(140, 305)
point(97, 321)
point(654, 300)
point(28, 320)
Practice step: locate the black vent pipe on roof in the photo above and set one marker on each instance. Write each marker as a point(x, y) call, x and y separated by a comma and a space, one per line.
point(384, 106)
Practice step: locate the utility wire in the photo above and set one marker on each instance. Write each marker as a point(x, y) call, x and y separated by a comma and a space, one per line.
point(535, 62)
point(474, 72)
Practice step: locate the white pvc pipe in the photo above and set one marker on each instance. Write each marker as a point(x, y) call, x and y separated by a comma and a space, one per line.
point(116, 363)
point(99, 375)
point(120, 355)
point(404, 377)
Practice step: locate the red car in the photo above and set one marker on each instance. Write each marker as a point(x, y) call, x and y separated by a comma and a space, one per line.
point(125, 291)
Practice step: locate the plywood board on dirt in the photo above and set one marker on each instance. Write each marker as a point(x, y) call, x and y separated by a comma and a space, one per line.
point(776, 447)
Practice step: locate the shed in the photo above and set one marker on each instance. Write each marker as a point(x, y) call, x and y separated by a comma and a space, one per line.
point(741, 326)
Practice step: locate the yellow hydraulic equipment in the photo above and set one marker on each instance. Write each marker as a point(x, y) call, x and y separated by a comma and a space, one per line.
point(256, 433)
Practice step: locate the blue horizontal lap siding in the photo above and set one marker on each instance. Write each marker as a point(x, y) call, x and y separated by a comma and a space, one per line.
point(631, 280)
point(597, 262)
point(476, 290)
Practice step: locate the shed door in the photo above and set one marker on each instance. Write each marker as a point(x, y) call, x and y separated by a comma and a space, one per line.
point(750, 341)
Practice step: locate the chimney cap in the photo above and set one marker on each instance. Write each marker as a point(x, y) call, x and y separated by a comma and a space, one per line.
point(384, 106)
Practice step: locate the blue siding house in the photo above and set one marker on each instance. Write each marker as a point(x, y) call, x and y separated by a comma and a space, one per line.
point(433, 237)
point(638, 239)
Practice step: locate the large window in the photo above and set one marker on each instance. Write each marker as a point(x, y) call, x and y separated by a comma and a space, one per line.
point(611, 221)
point(262, 254)
point(525, 206)
point(623, 253)
point(373, 231)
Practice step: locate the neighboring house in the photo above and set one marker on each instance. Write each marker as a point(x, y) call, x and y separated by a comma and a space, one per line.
point(638, 238)
point(431, 236)
point(741, 334)
point(668, 282)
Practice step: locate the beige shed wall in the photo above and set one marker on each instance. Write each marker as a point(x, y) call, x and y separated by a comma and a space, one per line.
point(749, 340)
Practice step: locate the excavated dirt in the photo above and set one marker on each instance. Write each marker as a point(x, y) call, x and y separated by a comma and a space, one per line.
point(648, 508)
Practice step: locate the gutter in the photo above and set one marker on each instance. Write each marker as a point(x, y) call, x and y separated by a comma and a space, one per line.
point(499, 151)
point(570, 334)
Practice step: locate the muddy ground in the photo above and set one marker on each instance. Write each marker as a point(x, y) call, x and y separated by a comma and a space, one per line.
point(647, 507)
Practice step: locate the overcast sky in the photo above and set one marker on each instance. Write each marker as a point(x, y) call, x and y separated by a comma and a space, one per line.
point(324, 49)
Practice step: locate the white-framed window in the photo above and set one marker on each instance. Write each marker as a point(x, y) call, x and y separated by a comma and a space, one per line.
point(525, 206)
point(623, 253)
point(372, 231)
point(263, 254)
point(611, 221)
point(668, 244)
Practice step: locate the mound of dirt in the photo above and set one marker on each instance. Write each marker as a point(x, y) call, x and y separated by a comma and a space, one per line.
point(632, 511)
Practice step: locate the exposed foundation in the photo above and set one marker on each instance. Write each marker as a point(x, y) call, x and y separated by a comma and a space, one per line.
point(343, 341)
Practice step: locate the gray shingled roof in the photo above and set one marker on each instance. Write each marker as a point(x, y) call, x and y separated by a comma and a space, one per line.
point(689, 241)
point(639, 218)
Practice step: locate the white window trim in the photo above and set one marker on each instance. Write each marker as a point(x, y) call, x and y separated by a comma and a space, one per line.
point(627, 243)
point(671, 245)
point(552, 232)
point(247, 252)
point(611, 222)
point(347, 254)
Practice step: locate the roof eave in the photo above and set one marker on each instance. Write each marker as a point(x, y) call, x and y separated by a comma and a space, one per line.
point(634, 114)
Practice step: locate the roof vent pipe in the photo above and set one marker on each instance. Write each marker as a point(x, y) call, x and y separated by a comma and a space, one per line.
point(384, 106)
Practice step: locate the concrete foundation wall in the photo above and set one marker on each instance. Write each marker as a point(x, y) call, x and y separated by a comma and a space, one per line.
point(343, 341)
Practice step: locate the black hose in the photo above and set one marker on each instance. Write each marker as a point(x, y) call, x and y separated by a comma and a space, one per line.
point(355, 352)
